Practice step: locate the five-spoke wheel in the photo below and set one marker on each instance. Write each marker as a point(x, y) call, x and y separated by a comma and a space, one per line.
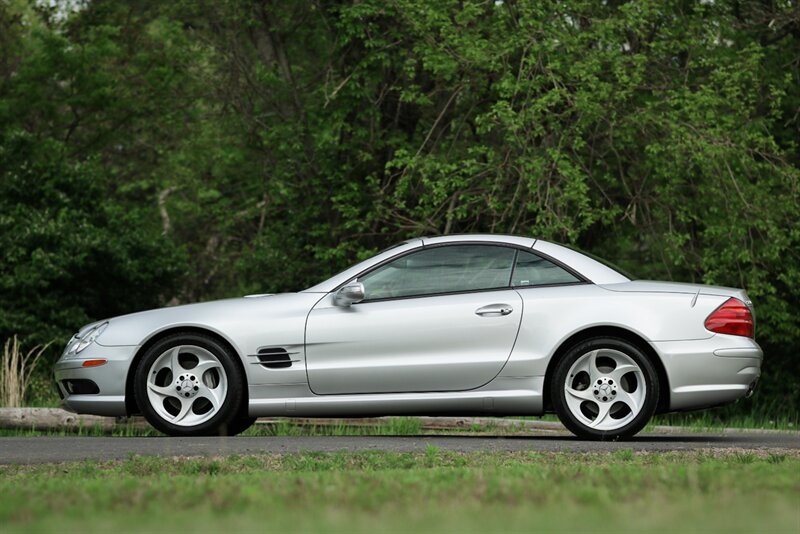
point(604, 388)
point(189, 384)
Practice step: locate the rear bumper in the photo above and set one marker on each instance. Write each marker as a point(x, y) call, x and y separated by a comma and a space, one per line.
point(709, 372)
point(110, 379)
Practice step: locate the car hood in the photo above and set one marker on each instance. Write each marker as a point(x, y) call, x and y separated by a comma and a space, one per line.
point(218, 316)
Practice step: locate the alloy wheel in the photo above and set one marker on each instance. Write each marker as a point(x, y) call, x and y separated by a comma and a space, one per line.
point(187, 385)
point(605, 389)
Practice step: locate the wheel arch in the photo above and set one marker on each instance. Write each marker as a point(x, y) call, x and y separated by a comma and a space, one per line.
point(131, 406)
point(617, 332)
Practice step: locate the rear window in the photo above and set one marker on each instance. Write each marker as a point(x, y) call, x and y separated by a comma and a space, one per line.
point(533, 270)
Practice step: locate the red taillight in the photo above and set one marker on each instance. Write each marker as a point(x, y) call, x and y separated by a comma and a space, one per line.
point(733, 317)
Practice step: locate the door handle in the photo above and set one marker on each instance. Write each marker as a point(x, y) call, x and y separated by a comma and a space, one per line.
point(494, 310)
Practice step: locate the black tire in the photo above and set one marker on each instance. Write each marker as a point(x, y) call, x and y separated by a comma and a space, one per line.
point(559, 378)
point(239, 425)
point(227, 416)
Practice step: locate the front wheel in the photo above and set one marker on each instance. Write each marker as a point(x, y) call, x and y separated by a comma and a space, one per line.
point(189, 385)
point(239, 425)
point(604, 388)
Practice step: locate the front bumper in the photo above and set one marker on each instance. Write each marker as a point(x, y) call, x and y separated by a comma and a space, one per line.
point(709, 372)
point(110, 379)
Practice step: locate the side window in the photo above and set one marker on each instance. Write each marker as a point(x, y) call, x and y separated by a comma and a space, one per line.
point(532, 270)
point(444, 269)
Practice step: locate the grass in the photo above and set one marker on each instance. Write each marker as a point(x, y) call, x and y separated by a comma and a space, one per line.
point(117, 431)
point(16, 369)
point(710, 420)
point(395, 426)
point(428, 491)
point(412, 426)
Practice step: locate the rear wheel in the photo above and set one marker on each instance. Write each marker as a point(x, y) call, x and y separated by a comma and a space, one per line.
point(604, 388)
point(190, 385)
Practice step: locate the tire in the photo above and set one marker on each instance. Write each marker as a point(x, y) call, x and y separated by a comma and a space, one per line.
point(604, 389)
point(190, 384)
point(238, 425)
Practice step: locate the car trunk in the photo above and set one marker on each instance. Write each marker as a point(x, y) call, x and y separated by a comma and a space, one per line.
point(651, 286)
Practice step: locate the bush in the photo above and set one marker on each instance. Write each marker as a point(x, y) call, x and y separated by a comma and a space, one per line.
point(16, 370)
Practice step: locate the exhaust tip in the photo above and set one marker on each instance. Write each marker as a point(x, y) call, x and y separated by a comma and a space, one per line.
point(750, 389)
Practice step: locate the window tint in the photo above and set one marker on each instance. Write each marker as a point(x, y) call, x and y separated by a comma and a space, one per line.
point(532, 270)
point(441, 270)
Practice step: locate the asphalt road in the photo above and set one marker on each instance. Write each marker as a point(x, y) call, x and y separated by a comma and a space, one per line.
point(48, 449)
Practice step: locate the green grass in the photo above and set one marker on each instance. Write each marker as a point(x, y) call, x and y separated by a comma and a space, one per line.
point(706, 421)
point(420, 492)
point(395, 426)
point(713, 420)
point(117, 431)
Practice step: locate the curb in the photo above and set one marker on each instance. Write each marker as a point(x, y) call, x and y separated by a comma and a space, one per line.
point(60, 419)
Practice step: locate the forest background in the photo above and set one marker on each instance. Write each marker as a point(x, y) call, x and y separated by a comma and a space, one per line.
point(156, 153)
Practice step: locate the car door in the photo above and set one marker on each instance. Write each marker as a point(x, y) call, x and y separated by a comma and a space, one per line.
point(443, 318)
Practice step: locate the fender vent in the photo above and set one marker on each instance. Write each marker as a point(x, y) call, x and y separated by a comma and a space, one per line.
point(274, 358)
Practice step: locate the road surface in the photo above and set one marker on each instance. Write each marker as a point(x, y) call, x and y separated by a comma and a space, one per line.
point(45, 449)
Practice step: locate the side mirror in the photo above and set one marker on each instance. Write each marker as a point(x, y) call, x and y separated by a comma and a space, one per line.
point(349, 294)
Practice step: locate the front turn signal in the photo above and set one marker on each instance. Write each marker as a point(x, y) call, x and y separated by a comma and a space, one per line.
point(93, 363)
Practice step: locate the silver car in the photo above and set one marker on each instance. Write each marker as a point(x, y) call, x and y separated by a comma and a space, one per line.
point(469, 324)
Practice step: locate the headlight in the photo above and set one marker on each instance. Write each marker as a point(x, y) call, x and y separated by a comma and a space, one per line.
point(81, 340)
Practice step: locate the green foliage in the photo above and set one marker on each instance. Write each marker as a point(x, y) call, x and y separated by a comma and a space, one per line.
point(69, 256)
point(199, 150)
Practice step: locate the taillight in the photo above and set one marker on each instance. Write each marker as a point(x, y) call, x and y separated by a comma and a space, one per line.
point(733, 317)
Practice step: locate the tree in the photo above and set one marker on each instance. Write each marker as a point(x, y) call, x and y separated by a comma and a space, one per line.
point(266, 145)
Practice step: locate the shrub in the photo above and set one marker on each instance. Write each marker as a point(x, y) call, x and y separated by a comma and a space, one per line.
point(16, 369)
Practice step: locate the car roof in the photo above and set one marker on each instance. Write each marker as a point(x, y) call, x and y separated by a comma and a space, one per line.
point(525, 242)
point(589, 268)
